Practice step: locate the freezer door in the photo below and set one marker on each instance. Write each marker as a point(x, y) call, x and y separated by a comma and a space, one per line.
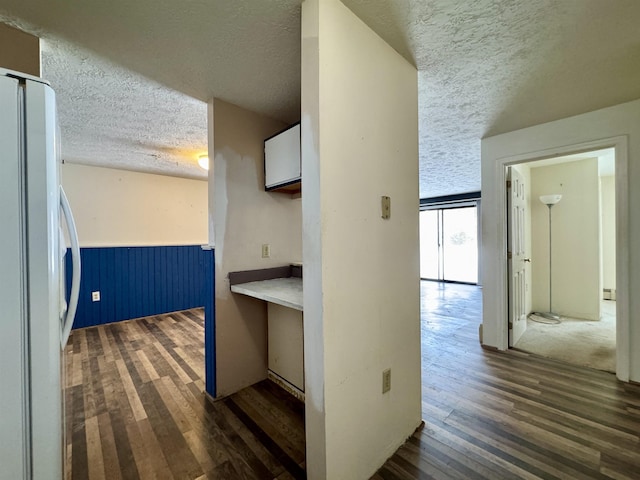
point(14, 417)
point(43, 243)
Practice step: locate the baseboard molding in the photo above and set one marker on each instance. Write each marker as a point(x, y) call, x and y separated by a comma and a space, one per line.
point(281, 382)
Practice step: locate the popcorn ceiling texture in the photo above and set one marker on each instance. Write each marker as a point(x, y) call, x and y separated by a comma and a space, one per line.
point(112, 117)
point(485, 67)
point(492, 66)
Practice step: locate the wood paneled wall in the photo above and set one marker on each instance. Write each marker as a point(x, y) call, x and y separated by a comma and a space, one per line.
point(136, 282)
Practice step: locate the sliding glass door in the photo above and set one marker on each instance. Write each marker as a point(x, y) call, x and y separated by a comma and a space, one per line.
point(449, 245)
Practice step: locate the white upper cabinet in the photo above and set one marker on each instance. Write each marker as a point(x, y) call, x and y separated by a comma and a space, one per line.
point(282, 161)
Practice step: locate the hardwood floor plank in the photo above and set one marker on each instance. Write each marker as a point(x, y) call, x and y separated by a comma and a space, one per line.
point(484, 457)
point(198, 370)
point(180, 459)
point(275, 425)
point(512, 414)
point(199, 450)
point(126, 460)
point(79, 464)
point(106, 344)
point(95, 461)
point(137, 409)
point(245, 462)
point(164, 386)
point(145, 463)
point(489, 415)
point(619, 470)
point(224, 470)
point(592, 437)
point(152, 374)
point(271, 444)
point(528, 451)
point(157, 462)
point(256, 446)
point(109, 452)
point(411, 460)
point(174, 366)
point(194, 405)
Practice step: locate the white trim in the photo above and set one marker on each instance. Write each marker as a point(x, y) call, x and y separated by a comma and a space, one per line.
point(495, 333)
point(479, 237)
point(623, 337)
point(454, 204)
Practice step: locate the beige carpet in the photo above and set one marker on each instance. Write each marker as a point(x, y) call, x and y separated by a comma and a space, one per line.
point(580, 342)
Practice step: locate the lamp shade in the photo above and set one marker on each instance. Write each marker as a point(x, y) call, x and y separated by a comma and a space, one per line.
point(550, 199)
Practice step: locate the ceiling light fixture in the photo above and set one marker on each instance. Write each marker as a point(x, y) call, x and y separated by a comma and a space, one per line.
point(203, 161)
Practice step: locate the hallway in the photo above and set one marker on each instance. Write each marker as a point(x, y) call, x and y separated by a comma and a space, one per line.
point(496, 415)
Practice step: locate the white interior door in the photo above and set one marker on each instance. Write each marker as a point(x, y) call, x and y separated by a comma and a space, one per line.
point(516, 261)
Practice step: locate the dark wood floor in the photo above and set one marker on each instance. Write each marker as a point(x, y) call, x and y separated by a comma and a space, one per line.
point(135, 409)
point(491, 415)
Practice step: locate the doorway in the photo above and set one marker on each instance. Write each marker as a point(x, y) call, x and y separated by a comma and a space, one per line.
point(570, 270)
point(449, 243)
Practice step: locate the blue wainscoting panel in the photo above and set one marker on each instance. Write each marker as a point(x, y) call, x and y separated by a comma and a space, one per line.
point(140, 281)
point(210, 322)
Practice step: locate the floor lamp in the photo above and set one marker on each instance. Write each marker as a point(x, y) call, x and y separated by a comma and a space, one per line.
point(550, 201)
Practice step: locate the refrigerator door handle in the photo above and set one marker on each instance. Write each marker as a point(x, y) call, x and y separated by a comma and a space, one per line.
point(75, 259)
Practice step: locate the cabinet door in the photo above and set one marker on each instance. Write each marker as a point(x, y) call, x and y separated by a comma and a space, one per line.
point(282, 158)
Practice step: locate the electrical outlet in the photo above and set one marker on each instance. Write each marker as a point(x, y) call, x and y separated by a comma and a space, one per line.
point(386, 380)
point(95, 296)
point(266, 250)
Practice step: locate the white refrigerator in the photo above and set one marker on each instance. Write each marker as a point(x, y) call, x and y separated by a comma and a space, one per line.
point(35, 319)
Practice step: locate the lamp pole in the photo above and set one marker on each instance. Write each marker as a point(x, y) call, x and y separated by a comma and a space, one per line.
point(550, 256)
point(550, 201)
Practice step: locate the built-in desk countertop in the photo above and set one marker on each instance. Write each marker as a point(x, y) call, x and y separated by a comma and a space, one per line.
point(283, 291)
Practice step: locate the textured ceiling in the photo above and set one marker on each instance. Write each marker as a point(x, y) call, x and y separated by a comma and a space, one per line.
point(493, 66)
point(110, 116)
point(485, 67)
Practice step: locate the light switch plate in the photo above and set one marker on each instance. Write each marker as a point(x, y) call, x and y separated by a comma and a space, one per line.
point(386, 207)
point(386, 380)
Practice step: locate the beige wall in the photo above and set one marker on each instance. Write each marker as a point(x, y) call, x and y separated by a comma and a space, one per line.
point(123, 208)
point(576, 239)
point(245, 217)
point(19, 51)
point(361, 278)
point(608, 199)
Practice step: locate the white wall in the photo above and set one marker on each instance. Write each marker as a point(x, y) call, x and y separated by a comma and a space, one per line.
point(576, 239)
point(617, 127)
point(245, 217)
point(122, 208)
point(361, 278)
point(608, 199)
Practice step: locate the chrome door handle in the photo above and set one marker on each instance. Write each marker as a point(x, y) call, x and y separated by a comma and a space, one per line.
point(528, 260)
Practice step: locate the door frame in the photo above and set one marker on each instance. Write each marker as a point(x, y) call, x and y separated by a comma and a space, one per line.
point(497, 334)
